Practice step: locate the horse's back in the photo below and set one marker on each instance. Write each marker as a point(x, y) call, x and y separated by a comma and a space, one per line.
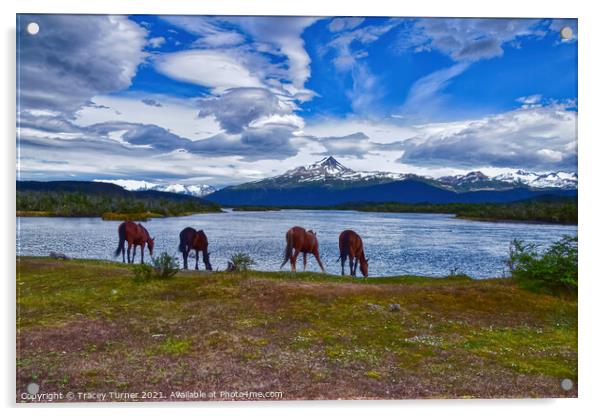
point(350, 240)
point(200, 241)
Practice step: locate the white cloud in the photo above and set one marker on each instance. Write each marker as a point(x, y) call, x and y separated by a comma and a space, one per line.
point(339, 24)
point(156, 42)
point(208, 30)
point(215, 69)
point(284, 34)
point(536, 138)
point(76, 57)
point(179, 116)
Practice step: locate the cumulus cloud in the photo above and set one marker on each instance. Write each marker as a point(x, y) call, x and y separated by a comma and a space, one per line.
point(75, 57)
point(238, 107)
point(467, 39)
point(269, 142)
point(537, 138)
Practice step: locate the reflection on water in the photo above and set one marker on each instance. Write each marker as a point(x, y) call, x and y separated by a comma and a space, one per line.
point(420, 244)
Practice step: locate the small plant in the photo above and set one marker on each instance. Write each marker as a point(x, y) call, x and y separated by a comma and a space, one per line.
point(165, 266)
point(240, 262)
point(553, 270)
point(456, 273)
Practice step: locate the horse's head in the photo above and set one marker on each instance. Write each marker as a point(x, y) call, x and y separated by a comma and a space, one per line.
point(151, 245)
point(364, 267)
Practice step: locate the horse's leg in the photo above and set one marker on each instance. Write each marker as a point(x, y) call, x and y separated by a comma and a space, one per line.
point(304, 261)
point(196, 266)
point(317, 256)
point(185, 257)
point(350, 265)
point(342, 266)
point(134, 254)
point(294, 260)
point(355, 266)
point(142, 253)
point(129, 252)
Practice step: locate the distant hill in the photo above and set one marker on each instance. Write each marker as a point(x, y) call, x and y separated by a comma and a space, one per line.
point(87, 187)
point(328, 183)
point(82, 198)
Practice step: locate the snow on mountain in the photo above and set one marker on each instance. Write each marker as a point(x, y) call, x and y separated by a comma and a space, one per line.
point(565, 180)
point(136, 185)
point(329, 169)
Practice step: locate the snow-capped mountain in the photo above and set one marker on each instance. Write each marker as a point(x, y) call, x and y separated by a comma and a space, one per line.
point(136, 185)
point(479, 181)
point(564, 180)
point(329, 169)
point(327, 182)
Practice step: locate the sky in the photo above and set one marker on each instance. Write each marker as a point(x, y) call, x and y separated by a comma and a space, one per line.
point(222, 100)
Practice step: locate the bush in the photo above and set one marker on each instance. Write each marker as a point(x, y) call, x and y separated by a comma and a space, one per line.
point(553, 270)
point(240, 262)
point(163, 267)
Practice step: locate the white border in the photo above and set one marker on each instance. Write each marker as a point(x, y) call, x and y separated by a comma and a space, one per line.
point(590, 180)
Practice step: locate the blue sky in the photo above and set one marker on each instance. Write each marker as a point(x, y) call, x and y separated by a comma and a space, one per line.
point(224, 100)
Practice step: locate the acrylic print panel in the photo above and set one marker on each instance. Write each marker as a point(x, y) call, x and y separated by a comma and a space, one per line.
point(291, 208)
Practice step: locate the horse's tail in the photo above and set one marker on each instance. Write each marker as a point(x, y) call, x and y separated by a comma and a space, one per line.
point(121, 246)
point(288, 251)
point(182, 246)
point(344, 247)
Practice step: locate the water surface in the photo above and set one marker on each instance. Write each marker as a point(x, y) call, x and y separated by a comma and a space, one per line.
point(395, 243)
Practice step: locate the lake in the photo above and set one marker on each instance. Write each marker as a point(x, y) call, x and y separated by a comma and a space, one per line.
point(395, 243)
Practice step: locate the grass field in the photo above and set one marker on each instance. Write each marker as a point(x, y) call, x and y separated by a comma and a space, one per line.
point(85, 326)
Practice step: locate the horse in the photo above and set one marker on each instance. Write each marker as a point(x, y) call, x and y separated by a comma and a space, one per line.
point(300, 241)
point(135, 235)
point(350, 245)
point(192, 239)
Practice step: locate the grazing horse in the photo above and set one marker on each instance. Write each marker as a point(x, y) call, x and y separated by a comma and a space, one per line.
point(191, 239)
point(350, 245)
point(135, 235)
point(300, 241)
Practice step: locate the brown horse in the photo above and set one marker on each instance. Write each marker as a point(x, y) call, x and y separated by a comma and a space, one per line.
point(300, 241)
point(350, 245)
point(191, 239)
point(135, 235)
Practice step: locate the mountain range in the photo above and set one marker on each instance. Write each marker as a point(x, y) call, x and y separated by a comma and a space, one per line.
point(136, 185)
point(328, 182)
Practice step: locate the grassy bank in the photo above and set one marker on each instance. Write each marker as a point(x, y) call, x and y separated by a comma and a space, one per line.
point(86, 326)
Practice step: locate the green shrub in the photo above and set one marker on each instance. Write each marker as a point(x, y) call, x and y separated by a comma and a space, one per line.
point(162, 267)
point(553, 270)
point(240, 262)
point(165, 266)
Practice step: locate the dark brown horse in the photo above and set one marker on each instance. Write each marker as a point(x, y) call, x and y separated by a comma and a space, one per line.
point(300, 241)
point(350, 245)
point(135, 235)
point(191, 239)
